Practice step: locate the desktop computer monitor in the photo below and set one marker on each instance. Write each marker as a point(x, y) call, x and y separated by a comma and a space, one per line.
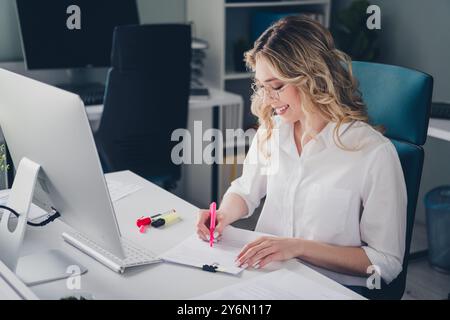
point(54, 36)
point(50, 127)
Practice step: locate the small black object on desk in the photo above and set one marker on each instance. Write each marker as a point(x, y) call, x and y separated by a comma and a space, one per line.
point(209, 268)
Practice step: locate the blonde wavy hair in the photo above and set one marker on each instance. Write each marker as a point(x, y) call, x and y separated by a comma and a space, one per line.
point(301, 52)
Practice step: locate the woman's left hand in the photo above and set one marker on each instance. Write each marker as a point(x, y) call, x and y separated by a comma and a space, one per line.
point(264, 250)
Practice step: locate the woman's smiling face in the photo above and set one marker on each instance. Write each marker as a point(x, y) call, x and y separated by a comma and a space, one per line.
point(284, 98)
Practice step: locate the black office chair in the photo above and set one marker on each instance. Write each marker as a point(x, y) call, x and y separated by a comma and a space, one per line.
point(146, 99)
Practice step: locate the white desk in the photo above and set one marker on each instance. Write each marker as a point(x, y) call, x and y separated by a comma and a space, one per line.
point(160, 281)
point(439, 128)
point(11, 287)
point(217, 97)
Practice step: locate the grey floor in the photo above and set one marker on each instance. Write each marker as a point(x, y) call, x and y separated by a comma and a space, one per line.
point(422, 283)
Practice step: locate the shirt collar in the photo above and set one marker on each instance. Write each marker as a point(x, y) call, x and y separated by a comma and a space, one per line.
point(327, 134)
point(324, 139)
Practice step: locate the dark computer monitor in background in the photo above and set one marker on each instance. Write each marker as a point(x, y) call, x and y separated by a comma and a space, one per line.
point(49, 43)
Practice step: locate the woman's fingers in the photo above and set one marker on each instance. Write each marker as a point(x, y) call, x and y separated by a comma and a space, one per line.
point(255, 261)
point(203, 223)
point(204, 235)
point(249, 246)
point(201, 235)
point(202, 220)
point(268, 259)
point(252, 252)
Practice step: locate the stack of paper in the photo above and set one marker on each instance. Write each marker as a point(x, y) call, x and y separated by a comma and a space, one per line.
point(278, 285)
point(119, 190)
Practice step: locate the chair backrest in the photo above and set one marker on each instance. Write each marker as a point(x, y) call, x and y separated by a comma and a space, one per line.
point(399, 99)
point(147, 98)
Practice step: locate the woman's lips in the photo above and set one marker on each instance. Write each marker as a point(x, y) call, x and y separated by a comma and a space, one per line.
point(281, 110)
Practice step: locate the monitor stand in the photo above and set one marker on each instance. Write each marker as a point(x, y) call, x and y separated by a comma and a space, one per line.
point(36, 268)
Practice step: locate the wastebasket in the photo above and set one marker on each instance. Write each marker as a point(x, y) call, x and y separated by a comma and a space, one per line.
point(437, 204)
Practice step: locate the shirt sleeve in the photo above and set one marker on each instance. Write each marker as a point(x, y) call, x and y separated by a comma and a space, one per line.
point(251, 186)
point(383, 220)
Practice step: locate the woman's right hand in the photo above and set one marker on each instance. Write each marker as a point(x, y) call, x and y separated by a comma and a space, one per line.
point(203, 225)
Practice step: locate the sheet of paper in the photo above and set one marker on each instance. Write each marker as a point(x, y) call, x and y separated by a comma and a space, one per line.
point(277, 285)
point(35, 211)
point(119, 190)
point(196, 252)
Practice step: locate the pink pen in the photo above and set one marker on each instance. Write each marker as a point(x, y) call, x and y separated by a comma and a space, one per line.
point(212, 223)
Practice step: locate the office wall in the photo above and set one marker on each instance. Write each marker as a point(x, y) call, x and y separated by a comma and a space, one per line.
point(162, 11)
point(10, 47)
point(415, 34)
point(151, 11)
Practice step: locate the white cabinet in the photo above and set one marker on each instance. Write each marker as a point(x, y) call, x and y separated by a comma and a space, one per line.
point(202, 183)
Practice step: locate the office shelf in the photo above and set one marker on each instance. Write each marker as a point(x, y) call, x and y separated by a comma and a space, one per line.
point(238, 75)
point(224, 25)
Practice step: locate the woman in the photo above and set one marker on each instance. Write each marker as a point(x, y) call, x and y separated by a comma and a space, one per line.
point(337, 199)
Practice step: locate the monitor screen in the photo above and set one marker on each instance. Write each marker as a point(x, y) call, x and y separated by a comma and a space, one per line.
point(63, 34)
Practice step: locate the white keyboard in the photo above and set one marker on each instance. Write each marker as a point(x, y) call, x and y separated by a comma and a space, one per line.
point(135, 255)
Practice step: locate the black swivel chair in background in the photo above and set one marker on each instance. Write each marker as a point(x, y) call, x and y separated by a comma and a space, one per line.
point(146, 99)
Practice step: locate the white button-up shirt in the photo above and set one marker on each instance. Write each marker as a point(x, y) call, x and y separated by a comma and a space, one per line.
point(327, 194)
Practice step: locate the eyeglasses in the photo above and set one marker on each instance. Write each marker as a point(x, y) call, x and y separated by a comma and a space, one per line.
point(264, 92)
